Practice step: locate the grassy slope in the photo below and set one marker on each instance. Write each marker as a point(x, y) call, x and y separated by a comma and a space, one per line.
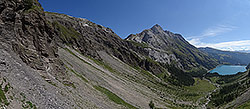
point(113, 97)
point(244, 106)
point(200, 89)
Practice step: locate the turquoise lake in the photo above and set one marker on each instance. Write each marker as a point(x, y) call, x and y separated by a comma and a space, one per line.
point(228, 69)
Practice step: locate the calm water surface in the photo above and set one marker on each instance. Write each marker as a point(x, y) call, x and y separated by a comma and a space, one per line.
point(228, 69)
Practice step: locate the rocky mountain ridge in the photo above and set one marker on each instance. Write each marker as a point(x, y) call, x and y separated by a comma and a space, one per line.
point(51, 60)
point(168, 44)
point(228, 57)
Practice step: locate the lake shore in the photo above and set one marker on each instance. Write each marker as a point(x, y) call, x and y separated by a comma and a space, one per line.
point(226, 69)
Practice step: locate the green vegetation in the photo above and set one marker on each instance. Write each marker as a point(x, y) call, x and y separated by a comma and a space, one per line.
point(151, 60)
point(179, 77)
point(66, 34)
point(76, 56)
point(80, 76)
point(228, 56)
point(28, 4)
point(143, 45)
point(104, 65)
point(201, 86)
point(66, 83)
point(6, 88)
point(244, 106)
point(30, 105)
point(27, 104)
point(230, 78)
point(113, 97)
point(34, 8)
point(50, 82)
point(229, 92)
point(100, 63)
point(151, 105)
point(55, 13)
point(197, 72)
point(214, 79)
point(81, 59)
point(248, 66)
point(148, 74)
point(232, 86)
point(77, 74)
point(183, 92)
point(3, 98)
point(198, 90)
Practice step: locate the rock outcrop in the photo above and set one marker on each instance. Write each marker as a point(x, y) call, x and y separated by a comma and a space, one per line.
point(26, 31)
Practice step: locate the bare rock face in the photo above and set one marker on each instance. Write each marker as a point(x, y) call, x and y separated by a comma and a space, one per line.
point(167, 47)
point(24, 28)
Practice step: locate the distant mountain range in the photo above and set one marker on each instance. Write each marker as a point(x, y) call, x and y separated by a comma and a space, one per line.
point(244, 51)
point(228, 57)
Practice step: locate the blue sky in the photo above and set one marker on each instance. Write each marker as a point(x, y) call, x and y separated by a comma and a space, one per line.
point(221, 24)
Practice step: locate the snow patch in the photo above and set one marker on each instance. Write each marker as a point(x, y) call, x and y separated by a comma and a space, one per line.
point(85, 25)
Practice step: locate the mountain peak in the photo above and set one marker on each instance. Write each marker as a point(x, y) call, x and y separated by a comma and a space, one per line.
point(157, 28)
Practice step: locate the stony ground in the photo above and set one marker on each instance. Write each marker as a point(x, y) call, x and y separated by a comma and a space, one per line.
point(114, 80)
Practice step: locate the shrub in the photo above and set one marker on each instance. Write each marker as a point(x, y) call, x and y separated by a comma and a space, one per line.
point(28, 4)
point(151, 105)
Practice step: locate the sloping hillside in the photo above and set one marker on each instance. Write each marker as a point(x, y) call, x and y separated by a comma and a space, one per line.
point(51, 60)
point(228, 57)
point(233, 91)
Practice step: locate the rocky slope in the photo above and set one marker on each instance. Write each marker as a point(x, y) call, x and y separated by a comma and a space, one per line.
point(51, 60)
point(89, 38)
point(25, 30)
point(167, 47)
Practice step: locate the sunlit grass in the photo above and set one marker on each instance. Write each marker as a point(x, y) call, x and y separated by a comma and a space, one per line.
point(244, 106)
point(200, 89)
point(113, 97)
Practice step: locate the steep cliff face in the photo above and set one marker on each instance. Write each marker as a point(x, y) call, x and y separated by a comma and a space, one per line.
point(173, 48)
point(25, 30)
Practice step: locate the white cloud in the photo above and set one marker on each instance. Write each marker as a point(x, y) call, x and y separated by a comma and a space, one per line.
point(231, 46)
point(215, 32)
point(195, 41)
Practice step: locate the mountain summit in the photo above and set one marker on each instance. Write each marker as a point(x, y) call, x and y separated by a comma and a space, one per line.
point(168, 47)
point(157, 28)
